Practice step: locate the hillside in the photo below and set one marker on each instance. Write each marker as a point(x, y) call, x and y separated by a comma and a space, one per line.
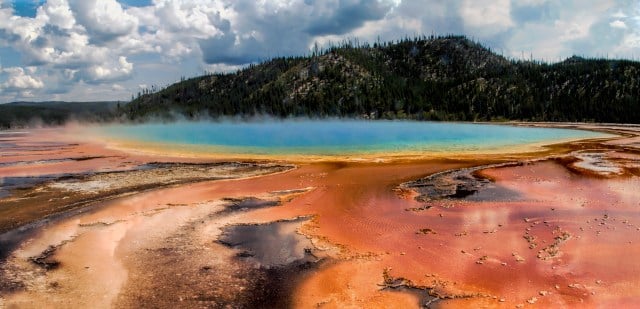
point(443, 78)
point(20, 114)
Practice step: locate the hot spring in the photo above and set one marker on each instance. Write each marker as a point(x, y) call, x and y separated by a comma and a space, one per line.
point(334, 137)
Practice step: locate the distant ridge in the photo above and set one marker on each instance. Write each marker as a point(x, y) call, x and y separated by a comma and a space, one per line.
point(434, 78)
point(24, 113)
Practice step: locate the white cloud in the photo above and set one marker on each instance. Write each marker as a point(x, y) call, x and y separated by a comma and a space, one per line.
point(105, 20)
point(196, 17)
point(619, 14)
point(570, 30)
point(537, 40)
point(18, 28)
point(567, 28)
point(57, 13)
point(18, 80)
point(486, 17)
point(619, 24)
point(531, 2)
point(53, 39)
point(110, 71)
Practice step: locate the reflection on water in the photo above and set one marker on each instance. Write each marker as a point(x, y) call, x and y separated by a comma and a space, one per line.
point(273, 244)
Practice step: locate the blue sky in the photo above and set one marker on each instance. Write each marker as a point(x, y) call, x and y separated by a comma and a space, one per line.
point(110, 49)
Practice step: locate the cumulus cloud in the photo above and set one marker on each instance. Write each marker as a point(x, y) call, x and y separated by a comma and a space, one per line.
point(199, 18)
point(253, 31)
point(618, 24)
point(104, 20)
point(486, 17)
point(339, 17)
point(567, 28)
point(109, 71)
point(18, 80)
point(71, 41)
point(57, 13)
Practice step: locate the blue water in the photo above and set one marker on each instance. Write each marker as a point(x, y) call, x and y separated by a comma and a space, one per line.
point(336, 137)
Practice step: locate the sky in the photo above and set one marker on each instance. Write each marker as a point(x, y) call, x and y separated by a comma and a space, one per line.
point(89, 50)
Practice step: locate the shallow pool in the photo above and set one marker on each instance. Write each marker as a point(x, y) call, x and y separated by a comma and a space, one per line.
point(339, 137)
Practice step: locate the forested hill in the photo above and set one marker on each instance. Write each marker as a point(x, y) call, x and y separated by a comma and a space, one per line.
point(443, 78)
point(25, 114)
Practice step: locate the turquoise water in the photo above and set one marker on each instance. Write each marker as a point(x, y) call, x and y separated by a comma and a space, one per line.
point(336, 137)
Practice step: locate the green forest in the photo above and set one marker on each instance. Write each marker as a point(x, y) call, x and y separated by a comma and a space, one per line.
point(29, 114)
point(426, 78)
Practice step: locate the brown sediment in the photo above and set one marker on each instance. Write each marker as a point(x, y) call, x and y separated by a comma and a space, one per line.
point(163, 247)
point(123, 254)
point(52, 195)
point(210, 274)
